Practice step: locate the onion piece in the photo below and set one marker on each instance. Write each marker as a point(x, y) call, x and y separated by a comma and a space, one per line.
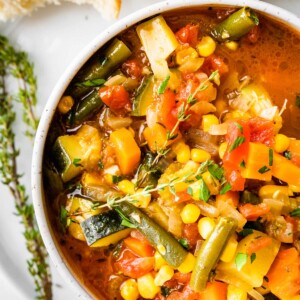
point(118, 122)
point(218, 129)
point(256, 295)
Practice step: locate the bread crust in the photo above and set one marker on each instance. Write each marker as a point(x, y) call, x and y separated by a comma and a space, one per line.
point(11, 9)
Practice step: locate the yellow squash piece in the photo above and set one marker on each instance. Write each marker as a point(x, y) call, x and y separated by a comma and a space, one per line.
point(252, 273)
point(127, 151)
point(257, 163)
point(159, 42)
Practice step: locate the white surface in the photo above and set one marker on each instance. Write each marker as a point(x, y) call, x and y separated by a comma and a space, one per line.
point(52, 36)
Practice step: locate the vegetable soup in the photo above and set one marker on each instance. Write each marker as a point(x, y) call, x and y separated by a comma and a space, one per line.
point(172, 164)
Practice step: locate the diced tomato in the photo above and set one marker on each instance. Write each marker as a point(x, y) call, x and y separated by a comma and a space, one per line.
point(131, 265)
point(115, 97)
point(213, 63)
point(251, 212)
point(262, 131)
point(237, 138)
point(188, 34)
point(141, 248)
point(191, 233)
point(182, 278)
point(132, 68)
point(284, 274)
point(258, 244)
point(253, 35)
point(164, 108)
point(186, 294)
point(182, 197)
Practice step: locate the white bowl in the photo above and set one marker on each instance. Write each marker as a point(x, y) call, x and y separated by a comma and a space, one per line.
point(48, 113)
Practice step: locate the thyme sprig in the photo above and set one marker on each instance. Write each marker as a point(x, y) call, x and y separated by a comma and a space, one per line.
point(182, 116)
point(14, 64)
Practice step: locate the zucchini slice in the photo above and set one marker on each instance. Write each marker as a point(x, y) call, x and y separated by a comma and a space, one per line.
point(144, 97)
point(104, 229)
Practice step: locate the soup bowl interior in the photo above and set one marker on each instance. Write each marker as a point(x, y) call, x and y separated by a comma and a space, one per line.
point(67, 271)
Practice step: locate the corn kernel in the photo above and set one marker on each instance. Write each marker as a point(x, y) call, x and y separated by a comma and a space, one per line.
point(147, 287)
point(232, 45)
point(188, 264)
point(108, 178)
point(184, 154)
point(180, 187)
point(208, 120)
point(158, 261)
point(164, 274)
point(65, 104)
point(222, 149)
point(206, 46)
point(129, 290)
point(206, 226)
point(236, 293)
point(229, 250)
point(126, 186)
point(190, 213)
point(200, 155)
point(186, 54)
point(282, 142)
point(141, 201)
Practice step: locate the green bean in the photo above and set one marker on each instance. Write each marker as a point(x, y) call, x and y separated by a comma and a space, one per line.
point(236, 25)
point(116, 53)
point(210, 252)
point(164, 242)
point(90, 105)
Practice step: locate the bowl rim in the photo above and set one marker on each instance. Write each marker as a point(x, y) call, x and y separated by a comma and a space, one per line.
point(64, 80)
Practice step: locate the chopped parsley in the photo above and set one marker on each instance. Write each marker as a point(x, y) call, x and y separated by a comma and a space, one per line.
point(162, 87)
point(242, 164)
point(246, 232)
point(215, 171)
point(270, 157)
point(190, 191)
point(287, 154)
point(264, 169)
point(227, 187)
point(76, 162)
point(100, 165)
point(184, 243)
point(116, 179)
point(238, 142)
point(252, 257)
point(125, 221)
point(239, 126)
point(204, 192)
point(240, 260)
point(295, 212)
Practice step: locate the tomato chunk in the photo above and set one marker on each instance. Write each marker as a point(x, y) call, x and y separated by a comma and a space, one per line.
point(213, 63)
point(262, 131)
point(131, 265)
point(188, 34)
point(115, 97)
point(141, 248)
point(252, 212)
point(133, 68)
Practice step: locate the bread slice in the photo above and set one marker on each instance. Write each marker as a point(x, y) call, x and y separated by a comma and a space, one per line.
point(10, 9)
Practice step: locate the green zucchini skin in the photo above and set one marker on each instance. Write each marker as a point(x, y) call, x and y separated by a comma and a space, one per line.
point(102, 225)
point(143, 98)
point(173, 253)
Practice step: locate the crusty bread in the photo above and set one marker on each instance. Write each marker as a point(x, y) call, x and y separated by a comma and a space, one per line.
point(10, 9)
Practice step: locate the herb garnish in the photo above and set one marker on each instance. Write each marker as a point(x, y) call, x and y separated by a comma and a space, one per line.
point(270, 157)
point(227, 187)
point(184, 243)
point(240, 260)
point(16, 66)
point(76, 162)
point(116, 179)
point(162, 87)
point(295, 212)
point(252, 257)
point(204, 192)
point(246, 232)
point(239, 126)
point(242, 164)
point(237, 142)
point(264, 169)
point(287, 154)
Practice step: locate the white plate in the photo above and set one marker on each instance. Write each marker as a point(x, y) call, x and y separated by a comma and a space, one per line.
point(52, 36)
